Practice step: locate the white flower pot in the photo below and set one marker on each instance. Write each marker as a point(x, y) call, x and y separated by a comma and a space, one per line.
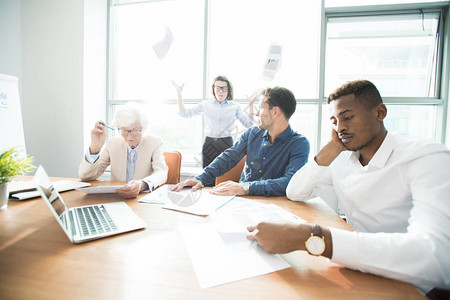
point(4, 196)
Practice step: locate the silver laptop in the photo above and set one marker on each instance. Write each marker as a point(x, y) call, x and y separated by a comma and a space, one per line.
point(90, 222)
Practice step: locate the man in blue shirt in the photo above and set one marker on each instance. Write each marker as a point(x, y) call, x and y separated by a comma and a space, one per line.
point(274, 152)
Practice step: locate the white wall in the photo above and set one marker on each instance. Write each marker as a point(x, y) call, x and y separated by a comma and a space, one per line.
point(63, 76)
point(11, 40)
point(52, 56)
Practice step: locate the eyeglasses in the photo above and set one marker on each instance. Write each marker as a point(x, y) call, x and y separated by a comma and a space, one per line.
point(218, 88)
point(132, 132)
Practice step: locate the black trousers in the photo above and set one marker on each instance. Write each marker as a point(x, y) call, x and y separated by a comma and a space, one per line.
point(213, 147)
point(438, 294)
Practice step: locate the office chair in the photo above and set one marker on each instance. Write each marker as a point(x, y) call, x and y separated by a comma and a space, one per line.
point(173, 161)
point(234, 174)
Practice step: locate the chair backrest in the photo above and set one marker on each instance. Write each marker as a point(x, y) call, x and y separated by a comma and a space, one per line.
point(234, 174)
point(173, 161)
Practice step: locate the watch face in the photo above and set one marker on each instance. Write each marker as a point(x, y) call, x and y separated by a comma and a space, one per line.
point(245, 186)
point(315, 245)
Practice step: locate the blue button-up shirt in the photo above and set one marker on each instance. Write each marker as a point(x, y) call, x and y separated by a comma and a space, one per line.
point(268, 167)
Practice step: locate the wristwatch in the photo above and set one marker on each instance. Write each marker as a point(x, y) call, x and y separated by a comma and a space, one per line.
point(246, 187)
point(315, 244)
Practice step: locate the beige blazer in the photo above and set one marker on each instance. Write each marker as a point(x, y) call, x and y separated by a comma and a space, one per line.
point(150, 162)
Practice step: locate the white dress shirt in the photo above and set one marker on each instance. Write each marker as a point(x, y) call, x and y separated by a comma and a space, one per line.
point(219, 117)
point(398, 204)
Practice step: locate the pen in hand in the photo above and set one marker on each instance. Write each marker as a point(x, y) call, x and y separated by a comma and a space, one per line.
point(107, 126)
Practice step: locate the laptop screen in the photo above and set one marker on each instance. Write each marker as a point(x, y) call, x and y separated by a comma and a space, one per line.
point(48, 191)
point(52, 198)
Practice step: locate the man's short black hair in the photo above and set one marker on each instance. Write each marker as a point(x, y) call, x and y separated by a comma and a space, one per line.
point(364, 91)
point(283, 98)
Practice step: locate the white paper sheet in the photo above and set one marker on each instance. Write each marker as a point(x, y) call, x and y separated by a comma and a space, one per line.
point(232, 221)
point(160, 195)
point(220, 251)
point(106, 189)
point(273, 62)
point(199, 202)
point(162, 47)
point(215, 262)
point(240, 203)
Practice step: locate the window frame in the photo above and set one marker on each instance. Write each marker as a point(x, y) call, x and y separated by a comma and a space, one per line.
point(443, 61)
point(440, 98)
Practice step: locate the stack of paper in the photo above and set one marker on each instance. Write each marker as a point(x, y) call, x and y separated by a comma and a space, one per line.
point(220, 251)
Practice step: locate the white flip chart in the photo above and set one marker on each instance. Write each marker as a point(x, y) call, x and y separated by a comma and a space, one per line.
point(11, 126)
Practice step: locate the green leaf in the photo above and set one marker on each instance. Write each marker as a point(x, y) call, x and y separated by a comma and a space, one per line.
point(11, 165)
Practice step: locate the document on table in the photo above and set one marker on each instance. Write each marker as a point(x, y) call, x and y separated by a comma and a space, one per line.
point(200, 202)
point(21, 186)
point(232, 221)
point(220, 251)
point(160, 195)
point(60, 186)
point(105, 189)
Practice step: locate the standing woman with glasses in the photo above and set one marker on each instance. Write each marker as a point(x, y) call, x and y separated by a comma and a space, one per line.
point(134, 157)
point(220, 114)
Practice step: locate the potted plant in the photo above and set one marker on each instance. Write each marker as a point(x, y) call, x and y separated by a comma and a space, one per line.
point(11, 165)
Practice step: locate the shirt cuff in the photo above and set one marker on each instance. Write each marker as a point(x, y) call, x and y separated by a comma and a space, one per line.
point(151, 186)
point(183, 114)
point(203, 180)
point(345, 247)
point(251, 188)
point(91, 158)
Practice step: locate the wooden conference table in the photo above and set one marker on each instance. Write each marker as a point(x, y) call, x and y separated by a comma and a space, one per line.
point(37, 260)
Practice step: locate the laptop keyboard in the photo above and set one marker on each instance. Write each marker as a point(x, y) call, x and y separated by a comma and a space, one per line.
point(94, 220)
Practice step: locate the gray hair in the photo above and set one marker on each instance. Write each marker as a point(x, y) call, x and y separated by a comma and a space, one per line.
point(128, 114)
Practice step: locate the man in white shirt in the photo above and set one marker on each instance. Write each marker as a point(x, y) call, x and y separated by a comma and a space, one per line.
point(394, 189)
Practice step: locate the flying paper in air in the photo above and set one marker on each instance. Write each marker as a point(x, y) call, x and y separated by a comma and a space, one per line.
point(162, 47)
point(273, 62)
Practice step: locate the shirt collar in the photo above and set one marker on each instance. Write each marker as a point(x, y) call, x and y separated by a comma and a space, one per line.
point(283, 136)
point(381, 156)
point(217, 102)
point(129, 148)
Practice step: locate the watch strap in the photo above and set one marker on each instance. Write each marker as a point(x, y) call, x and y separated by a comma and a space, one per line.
point(317, 231)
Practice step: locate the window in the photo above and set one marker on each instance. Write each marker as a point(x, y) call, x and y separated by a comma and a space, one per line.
point(396, 52)
point(184, 135)
point(242, 32)
point(226, 46)
point(399, 52)
point(137, 73)
point(397, 44)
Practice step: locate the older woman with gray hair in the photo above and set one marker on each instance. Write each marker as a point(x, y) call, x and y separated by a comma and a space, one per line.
point(135, 157)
